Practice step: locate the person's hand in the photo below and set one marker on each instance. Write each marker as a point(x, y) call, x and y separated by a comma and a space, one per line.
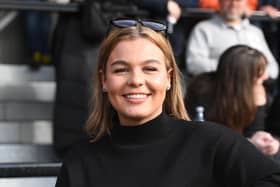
point(174, 10)
point(270, 11)
point(265, 142)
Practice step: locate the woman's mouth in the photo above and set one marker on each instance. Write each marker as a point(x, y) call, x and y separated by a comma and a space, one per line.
point(136, 98)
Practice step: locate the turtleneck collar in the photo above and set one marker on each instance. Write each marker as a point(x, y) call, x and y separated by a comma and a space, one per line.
point(148, 132)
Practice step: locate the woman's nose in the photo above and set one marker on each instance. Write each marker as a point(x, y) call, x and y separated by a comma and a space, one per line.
point(136, 79)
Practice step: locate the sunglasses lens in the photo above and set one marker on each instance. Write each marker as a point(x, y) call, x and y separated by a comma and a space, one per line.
point(154, 25)
point(124, 23)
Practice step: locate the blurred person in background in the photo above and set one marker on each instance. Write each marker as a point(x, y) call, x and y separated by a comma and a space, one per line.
point(38, 32)
point(234, 96)
point(270, 27)
point(210, 38)
point(74, 57)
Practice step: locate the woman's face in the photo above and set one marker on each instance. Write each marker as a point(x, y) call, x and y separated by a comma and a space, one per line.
point(262, 78)
point(233, 9)
point(136, 80)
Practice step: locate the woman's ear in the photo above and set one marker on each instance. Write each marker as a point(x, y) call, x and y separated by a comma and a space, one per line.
point(103, 81)
point(168, 86)
point(169, 73)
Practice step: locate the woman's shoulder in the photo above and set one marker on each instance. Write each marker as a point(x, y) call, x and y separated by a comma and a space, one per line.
point(84, 149)
point(198, 125)
point(209, 134)
point(207, 130)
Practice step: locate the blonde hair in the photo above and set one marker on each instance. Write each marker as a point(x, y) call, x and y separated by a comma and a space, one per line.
point(99, 122)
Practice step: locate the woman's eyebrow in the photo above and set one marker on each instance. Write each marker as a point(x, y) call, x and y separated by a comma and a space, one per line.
point(151, 61)
point(124, 63)
point(119, 62)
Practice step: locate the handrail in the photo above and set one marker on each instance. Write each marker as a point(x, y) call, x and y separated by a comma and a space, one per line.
point(28, 160)
point(39, 6)
point(29, 169)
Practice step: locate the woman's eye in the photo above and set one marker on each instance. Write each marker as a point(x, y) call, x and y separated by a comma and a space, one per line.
point(150, 69)
point(120, 70)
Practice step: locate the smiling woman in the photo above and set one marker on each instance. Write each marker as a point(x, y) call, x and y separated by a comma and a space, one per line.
point(136, 80)
point(135, 52)
point(139, 128)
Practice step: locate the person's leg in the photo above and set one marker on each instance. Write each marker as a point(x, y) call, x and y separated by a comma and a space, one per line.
point(45, 29)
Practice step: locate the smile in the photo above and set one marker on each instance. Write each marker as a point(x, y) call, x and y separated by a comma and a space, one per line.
point(136, 96)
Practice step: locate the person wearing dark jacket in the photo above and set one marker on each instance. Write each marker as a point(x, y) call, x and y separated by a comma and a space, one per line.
point(74, 57)
point(140, 131)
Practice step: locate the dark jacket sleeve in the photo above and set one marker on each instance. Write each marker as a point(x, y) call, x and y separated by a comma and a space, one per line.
point(157, 7)
point(188, 3)
point(275, 3)
point(72, 173)
point(269, 181)
point(273, 117)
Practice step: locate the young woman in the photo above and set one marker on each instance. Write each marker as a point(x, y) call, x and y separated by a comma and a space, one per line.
point(234, 95)
point(139, 128)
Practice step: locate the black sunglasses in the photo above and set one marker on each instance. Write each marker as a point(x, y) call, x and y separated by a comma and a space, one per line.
point(127, 22)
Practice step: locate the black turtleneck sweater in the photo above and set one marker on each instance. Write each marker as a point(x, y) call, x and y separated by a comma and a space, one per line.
point(166, 152)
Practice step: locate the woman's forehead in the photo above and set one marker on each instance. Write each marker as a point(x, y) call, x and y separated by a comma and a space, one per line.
point(140, 49)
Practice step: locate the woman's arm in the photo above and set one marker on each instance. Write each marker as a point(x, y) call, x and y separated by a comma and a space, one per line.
point(238, 163)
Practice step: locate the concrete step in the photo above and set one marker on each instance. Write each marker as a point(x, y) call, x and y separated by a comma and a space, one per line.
point(25, 94)
point(25, 111)
point(26, 132)
point(26, 153)
point(28, 182)
point(28, 165)
point(26, 104)
point(39, 91)
point(11, 73)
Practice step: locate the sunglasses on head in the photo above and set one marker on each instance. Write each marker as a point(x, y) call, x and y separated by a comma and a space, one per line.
point(127, 22)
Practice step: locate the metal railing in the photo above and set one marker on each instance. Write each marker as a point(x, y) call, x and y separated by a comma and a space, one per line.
point(38, 6)
point(26, 160)
point(50, 169)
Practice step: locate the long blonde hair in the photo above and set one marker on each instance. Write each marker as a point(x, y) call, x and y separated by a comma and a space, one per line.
point(100, 120)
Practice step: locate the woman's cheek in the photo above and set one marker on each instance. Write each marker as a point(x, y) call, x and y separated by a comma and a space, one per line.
point(158, 81)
